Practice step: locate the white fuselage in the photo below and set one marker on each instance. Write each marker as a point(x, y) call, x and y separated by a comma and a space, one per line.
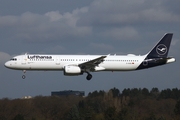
point(58, 62)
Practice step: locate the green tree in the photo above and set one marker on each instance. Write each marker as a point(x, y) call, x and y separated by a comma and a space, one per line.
point(165, 94)
point(73, 113)
point(110, 113)
point(126, 92)
point(19, 117)
point(151, 117)
point(135, 92)
point(116, 92)
point(122, 115)
point(154, 92)
point(175, 93)
point(145, 92)
point(177, 108)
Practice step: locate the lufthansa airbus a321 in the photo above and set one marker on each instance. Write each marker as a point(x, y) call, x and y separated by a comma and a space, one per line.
point(73, 65)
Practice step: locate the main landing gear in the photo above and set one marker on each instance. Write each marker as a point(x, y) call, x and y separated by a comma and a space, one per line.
point(23, 77)
point(89, 76)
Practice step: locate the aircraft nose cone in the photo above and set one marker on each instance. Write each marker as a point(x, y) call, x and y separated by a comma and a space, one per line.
point(7, 64)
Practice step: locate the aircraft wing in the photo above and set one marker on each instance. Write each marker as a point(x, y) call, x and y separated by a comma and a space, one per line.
point(90, 65)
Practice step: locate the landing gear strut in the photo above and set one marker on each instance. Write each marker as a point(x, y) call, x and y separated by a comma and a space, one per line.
point(23, 77)
point(89, 76)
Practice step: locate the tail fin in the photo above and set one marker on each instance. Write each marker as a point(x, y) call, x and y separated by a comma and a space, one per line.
point(161, 49)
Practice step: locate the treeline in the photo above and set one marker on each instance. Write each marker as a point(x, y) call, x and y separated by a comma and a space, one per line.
point(130, 104)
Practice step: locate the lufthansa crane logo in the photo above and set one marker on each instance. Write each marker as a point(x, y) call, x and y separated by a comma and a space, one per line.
point(161, 49)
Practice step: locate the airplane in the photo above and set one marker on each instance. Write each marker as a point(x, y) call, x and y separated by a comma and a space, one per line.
point(73, 65)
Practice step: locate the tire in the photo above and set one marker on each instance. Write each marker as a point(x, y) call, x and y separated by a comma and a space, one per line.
point(23, 77)
point(89, 76)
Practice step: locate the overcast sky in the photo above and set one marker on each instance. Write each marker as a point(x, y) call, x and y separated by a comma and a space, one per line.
point(86, 27)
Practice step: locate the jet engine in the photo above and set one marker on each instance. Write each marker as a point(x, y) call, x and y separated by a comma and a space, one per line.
point(72, 71)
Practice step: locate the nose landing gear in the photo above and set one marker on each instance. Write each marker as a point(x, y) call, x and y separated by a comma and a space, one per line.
point(23, 77)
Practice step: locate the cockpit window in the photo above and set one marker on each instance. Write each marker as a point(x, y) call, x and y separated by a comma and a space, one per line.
point(13, 59)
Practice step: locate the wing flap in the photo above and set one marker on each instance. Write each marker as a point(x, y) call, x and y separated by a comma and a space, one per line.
point(90, 65)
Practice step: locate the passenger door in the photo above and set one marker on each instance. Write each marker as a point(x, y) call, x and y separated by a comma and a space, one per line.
point(57, 61)
point(24, 60)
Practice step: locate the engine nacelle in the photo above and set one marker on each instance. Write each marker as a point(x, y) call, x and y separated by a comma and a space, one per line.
point(72, 70)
